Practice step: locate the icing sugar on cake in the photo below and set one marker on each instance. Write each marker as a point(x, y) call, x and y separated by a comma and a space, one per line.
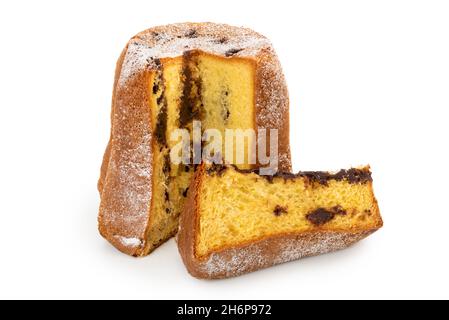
point(173, 40)
point(129, 242)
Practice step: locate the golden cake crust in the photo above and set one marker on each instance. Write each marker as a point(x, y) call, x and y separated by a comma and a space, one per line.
point(125, 182)
point(256, 255)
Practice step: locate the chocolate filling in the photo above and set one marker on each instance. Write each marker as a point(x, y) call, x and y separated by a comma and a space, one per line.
point(167, 165)
point(353, 176)
point(279, 211)
point(155, 88)
point(191, 104)
point(161, 124)
point(322, 216)
point(162, 117)
point(158, 63)
point(166, 170)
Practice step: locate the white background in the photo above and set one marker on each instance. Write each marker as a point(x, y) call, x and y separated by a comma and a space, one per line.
point(369, 83)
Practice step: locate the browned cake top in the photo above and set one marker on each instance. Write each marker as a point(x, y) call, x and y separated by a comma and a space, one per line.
point(171, 41)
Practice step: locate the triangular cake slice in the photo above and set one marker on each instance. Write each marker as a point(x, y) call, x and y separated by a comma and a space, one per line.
point(237, 221)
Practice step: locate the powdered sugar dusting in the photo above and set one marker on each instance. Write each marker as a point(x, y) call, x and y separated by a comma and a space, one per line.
point(135, 60)
point(274, 251)
point(272, 103)
point(237, 262)
point(173, 40)
point(129, 242)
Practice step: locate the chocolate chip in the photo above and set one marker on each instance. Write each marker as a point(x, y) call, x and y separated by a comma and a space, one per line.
point(167, 167)
point(167, 196)
point(279, 211)
point(322, 216)
point(155, 88)
point(161, 123)
point(160, 100)
point(186, 191)
point(232, 52)
point(354, 176)
point(158, 63)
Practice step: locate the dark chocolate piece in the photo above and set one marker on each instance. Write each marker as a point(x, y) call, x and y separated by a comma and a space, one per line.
point(155, 87)
point(162, 117)
point(279, 211)
point(353, 176)
point(167, 165)
point(158, 63)
point(161, 123)
point(318, 177)
point(191, 104)
point(322, 216)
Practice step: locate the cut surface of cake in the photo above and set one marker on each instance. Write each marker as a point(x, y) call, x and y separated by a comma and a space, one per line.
point(168, 78)
point(237, 221)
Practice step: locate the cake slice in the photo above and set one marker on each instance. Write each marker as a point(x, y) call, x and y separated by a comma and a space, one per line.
point(237, 221)
point(167, 78)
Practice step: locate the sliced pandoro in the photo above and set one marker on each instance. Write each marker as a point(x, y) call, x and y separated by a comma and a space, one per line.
point(237, 221)
point(168, 77)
